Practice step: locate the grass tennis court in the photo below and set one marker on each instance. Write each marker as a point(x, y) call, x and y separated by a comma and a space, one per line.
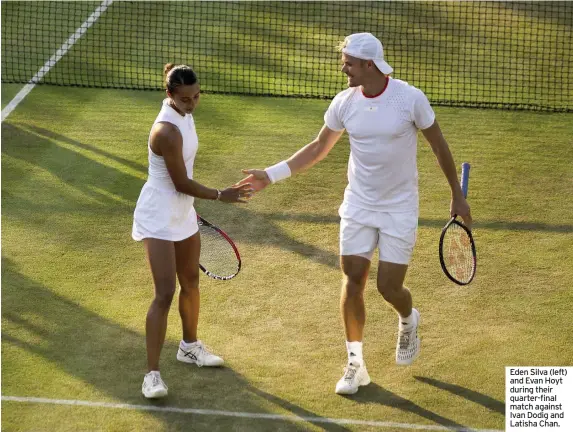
point(76, 287)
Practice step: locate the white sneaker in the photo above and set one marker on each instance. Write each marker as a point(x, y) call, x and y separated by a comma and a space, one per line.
point(355, 375)
point(153, 386)
point(408, 345)
point(199, 354)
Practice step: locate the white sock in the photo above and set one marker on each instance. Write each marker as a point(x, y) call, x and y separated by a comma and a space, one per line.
point(354, 351)
point(154, 373)
point(406, 322)
point(187, 345)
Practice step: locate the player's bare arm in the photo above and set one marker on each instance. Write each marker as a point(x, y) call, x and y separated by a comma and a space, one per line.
point(302, 160)
point(315, 151)
point(441, 149)
point(166, 141)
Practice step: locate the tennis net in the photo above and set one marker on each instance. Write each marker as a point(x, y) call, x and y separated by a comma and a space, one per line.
point(511, 55)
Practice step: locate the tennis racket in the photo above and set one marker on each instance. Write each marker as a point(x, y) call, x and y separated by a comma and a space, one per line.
point(220, 257)
point(457, 248)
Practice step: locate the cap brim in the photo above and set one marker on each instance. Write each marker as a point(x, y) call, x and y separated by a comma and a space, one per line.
point(383, 67)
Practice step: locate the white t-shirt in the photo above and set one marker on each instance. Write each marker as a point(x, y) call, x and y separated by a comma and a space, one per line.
point(382, 171)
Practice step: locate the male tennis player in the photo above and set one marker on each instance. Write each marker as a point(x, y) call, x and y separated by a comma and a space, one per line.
point(380, 209)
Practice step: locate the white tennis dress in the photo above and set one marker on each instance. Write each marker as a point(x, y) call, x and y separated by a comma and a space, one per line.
point(162, 212)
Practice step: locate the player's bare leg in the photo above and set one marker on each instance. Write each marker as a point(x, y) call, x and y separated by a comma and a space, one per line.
point(161, 257)
point(191, 350)
point(355, 270)
point(187, 257)
point(390, 284)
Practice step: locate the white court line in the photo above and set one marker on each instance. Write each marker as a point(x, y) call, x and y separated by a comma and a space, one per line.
point(248, 415)
point(55, 58)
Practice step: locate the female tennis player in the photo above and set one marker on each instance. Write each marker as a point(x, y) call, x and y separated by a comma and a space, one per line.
point(166, 221)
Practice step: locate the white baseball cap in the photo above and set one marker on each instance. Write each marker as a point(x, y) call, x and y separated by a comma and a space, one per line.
point(366, 46)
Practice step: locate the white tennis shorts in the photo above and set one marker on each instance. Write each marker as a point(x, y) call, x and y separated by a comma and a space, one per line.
point(361, 231)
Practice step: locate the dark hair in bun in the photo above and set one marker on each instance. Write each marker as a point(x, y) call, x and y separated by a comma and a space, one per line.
point(177, 75)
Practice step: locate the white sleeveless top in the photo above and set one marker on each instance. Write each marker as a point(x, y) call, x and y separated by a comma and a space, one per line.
point(162, 212)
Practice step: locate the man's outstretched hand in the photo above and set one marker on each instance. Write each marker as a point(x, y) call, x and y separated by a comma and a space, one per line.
point(257, 178)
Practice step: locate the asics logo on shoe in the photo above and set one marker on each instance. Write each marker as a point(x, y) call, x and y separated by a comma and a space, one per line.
point(189, 354)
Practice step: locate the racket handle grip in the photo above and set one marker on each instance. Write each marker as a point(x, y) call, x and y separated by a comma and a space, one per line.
point(465, 178)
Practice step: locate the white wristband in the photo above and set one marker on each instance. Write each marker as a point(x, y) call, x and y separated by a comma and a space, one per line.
point(278, 172)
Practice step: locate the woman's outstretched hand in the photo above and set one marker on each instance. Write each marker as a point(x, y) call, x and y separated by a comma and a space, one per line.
point(238, 193)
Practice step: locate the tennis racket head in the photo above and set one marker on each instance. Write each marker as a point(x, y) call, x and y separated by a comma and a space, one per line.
point(458, 252)
point(220, 258)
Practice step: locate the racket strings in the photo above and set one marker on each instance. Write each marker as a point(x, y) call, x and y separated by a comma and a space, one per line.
point(217, 254)
point(458, 256)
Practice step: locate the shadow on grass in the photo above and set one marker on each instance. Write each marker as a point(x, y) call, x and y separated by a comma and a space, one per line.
point(58, 137)
point(41, 148)
point(111, 359)
point(373, 393)
point(99, 183)
point(432, 223)
point(471, 395)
